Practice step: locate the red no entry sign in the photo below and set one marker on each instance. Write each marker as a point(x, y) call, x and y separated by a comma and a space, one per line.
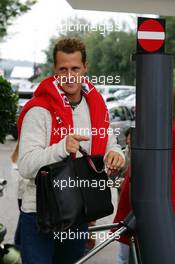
point(151, 35)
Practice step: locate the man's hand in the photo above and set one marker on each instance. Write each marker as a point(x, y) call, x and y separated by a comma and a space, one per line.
point(114, 161)
point(73, 142)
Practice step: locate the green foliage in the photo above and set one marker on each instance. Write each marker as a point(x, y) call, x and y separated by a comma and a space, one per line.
point(10, 9)
point(111, 55)
point(108, 54)
point(8, 108)
point(47, 68)
point(170, 35)
point(93, 43)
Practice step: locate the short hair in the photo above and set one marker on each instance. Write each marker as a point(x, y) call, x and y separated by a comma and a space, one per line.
point(128, 132)
point(69, 45)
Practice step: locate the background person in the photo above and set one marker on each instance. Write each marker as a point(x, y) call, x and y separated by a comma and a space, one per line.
point(20, 191)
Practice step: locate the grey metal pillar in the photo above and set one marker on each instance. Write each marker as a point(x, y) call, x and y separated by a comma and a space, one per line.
point(151, 159)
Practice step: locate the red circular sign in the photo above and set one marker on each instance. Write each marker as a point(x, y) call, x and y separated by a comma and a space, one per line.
point(151, 35)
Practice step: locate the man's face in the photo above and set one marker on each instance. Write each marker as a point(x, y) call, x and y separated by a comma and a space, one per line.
point(70, 68)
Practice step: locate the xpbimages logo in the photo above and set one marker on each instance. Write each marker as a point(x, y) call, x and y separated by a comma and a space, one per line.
point(63, 131)
point(81, 183)
point(101, 79)
point(71, 235)
point(102, 28)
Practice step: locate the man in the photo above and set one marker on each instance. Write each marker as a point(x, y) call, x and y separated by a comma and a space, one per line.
point(62, 104)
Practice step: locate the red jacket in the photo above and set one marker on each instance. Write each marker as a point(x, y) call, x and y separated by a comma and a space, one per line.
point(51, 96)
point(124, 206)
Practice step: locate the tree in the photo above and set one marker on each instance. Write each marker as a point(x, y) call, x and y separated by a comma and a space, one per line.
point(10, 9)
point(108, 54)
point(170, 35)
point(47, 68)
point(111, 55)
point(8, 108)
point(71, 31)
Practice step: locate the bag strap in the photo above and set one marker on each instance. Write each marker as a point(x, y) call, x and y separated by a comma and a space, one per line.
point(89, 160)
point(110, 173)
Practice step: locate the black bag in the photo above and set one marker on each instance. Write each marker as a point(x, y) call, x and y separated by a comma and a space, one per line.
point(83, 198)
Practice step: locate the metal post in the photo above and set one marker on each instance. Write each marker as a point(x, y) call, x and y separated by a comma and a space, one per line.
point(151, 159)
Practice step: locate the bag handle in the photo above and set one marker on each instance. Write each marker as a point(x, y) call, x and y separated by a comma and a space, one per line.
point(109, 172)
point(89, 160)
